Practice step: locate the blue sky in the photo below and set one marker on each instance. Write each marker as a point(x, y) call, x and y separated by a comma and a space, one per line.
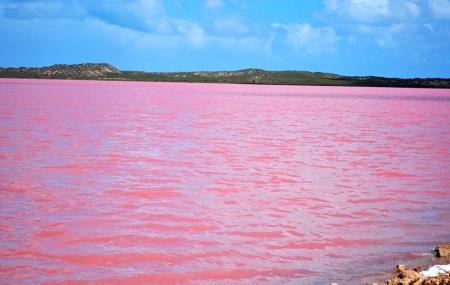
point(401, 38)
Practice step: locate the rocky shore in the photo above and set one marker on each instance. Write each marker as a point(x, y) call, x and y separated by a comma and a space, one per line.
point(435, 274)
point(416, 276)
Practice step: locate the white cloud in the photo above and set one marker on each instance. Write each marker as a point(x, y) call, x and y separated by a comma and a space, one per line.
point(440, 8)
point(150, 17)
point(332, 5)
point(141, 25)
point(230, 26)
point(246, 43)
point(390, 36)
point(194, 32)
point(413, 9)
point(150, 6)
point(306, 38)
point(142, 15)
point(363, 10)
point(214, 4)
point(384, 23)
point(367, 11)
point(429, 27)
point(41, 9)
point(134, 39)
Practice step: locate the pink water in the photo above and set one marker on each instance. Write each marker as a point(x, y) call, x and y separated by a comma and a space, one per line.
point(142, 183)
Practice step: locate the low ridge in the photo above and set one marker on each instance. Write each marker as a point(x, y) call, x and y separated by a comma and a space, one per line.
point(63, 71)
point(103, 71)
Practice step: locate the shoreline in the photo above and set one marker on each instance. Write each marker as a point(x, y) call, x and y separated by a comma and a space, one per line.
point(228, 83)
point(252, 76)
point(411, 271)
point(256, 86)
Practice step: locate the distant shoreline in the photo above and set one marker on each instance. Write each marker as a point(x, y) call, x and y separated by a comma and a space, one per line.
point(106, 72)
point(213, 82)
point(314, 91)
point(210, 82)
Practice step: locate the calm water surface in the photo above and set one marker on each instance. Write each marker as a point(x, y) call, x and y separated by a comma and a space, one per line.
point(141, 183)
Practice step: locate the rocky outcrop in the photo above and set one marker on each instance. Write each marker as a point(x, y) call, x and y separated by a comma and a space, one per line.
point(413, 276)
point(443, 250)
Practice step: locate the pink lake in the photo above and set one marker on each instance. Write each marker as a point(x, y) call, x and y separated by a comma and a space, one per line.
point(175, 183)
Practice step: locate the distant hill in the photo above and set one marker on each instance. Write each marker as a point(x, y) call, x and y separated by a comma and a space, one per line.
point(103, 71)
point(63, 71)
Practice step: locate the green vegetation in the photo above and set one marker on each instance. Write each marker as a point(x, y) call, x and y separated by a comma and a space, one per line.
point(247, 76)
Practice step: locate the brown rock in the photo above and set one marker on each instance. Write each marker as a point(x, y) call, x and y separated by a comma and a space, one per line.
point(411, 277)
point(443, 250)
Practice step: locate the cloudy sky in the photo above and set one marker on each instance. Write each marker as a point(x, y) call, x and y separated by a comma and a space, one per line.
point(402, 38)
